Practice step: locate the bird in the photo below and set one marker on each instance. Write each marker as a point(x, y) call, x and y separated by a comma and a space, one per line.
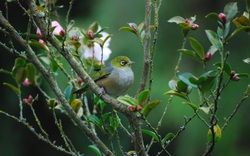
point(115, 78)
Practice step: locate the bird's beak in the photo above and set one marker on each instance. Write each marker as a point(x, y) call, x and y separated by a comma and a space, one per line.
point(131, 62)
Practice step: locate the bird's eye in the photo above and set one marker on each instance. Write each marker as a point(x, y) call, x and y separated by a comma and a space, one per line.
point(123, 63)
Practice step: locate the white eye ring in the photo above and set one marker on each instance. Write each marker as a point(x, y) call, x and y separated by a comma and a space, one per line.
point(123, 63)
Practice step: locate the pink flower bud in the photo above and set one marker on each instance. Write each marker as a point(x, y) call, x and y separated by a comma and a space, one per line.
point(58, 28)
point(26, 82)
point(74, 38)
point(139, 108)
point(195, 26)
point(38, 32)
point(187, 21)
point(233, 73)
point(41, 41)
point(91, 34)
point(222, 16)
point(30, 98)
point(26, 101)
point(235, 78)
point(208, 56)
point(131, 108)
point(133, 27)
point(79, 80)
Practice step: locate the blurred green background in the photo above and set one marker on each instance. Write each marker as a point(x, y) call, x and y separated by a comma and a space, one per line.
point(16, 140)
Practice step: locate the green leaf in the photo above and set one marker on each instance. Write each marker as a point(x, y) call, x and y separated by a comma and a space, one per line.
point(181, 95)
point(190, 54)
point(95, 120)
point(177, 20)
point(14, 88)
point(151, 133)
point(227, 68)
point(95, 149)
point(242, 75)
point(68, 92)
point(193, 106)
point(213, 15)
point(167, 137)
point(182, 87)
point(143, 97)
point(231, 10)
point(236, 31)
point(19, 74)
point(214, 39)
point(217, 132)
point(185, 78)
point(197, 47)
point(140, 27)
point(149, 107)
point(31, 72)
point(129, 29)
point(94, 26)
point(35, 44)
point(127, 100)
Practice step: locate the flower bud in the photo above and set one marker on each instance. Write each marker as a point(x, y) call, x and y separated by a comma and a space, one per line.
point(26, 101)
point(195, 26)
point(139, 108)
point(187, 21)
point(131, 108)
point(208, 56)
point(30, 98)
point(222, 16)
point(38, 32)
point(233, 73)
point(26, 82)
point(133, 27)
point(91, 34)
point(79, 80)
point(74, 38)
point(235, 78)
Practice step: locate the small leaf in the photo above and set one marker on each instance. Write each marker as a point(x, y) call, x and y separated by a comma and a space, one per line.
point(151, 133)
point(149, 107)
point(182, 87)
point(227, 68)
point(95, 149)
point(167, 137)
point(214, 39)
point(213, 15)
point(242, 75)
point(247, 60)
point(217, 132)
point(31, 72)
point(68, 92)
point(173, 84)
point(127, 100)
point(14, 88)
point(19, 74)
point(190, 54)
point(140, 27)
point(177, 20)
point(129, 29)
point(95, 120)
point(143, 96)
point(231, 10)
point(185, 78)
point(94, 26)
point(205, 109)
point(197, 47)
point(193, 106)
point(181, 95)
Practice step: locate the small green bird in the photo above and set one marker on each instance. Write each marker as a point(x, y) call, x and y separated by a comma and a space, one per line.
point(115, 78)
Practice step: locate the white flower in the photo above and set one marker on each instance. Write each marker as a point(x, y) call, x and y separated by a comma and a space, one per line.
point(95, 49)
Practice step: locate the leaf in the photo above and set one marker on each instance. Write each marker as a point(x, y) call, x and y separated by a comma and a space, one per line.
point(236, 31)
point(181, 95)
point(95, 149)
point(217, 132)
point(214, 39)
point(95, 120)
point(94, 26)
point(31, 72)
point(177, 20)
point(197, 47)
point(247, 60)
point(227, 68)
point(35, 44)
point(129, 29)
point(14, 88)
point(193, 106)
point(143, 97)
point(242, 75)
point(127, 100)
point(151, 133)
point(173, 84)
point(149, 107)
point(68, 92)
point(167, 137)
point(19, 74)
point(213, 15)
point(231, 10)
point(183, 87)
point(190, 54)
point(205, 109)
point(185, 78)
